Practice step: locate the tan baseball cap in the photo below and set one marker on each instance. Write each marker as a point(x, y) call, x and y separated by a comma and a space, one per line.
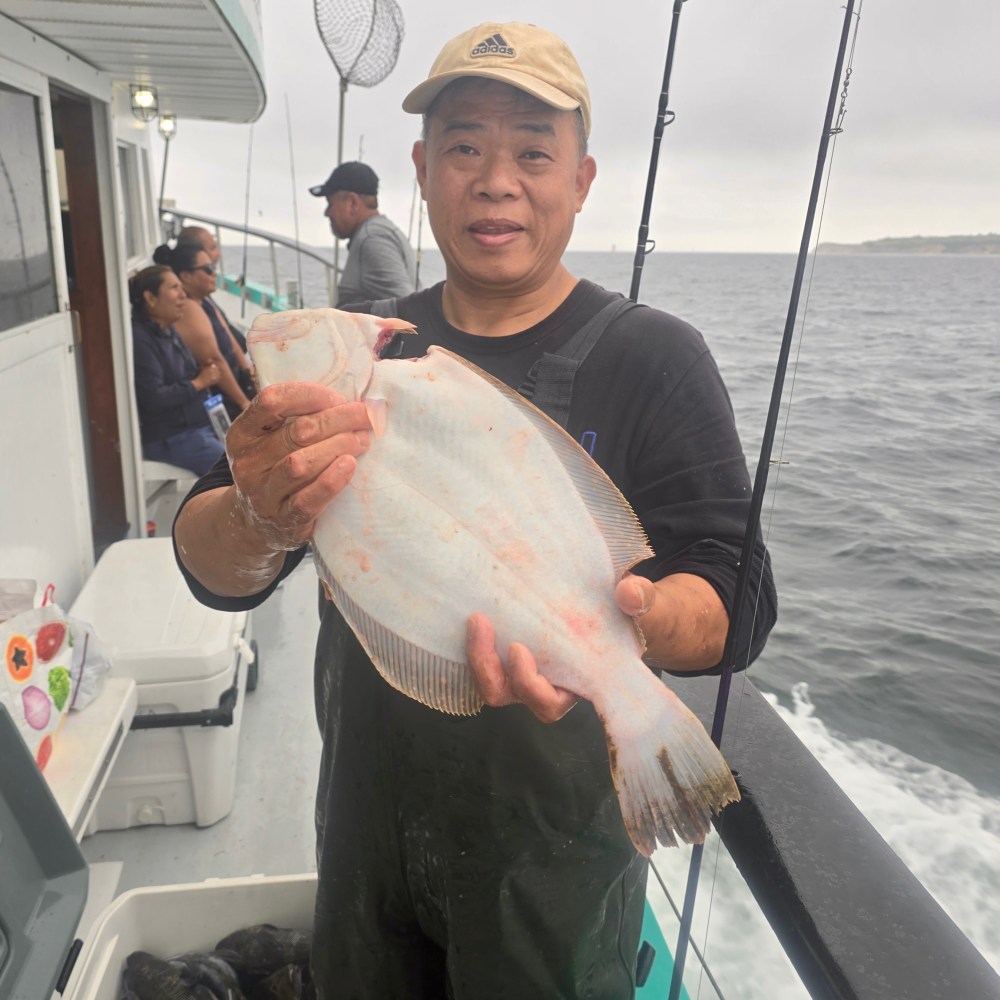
point(526, 57)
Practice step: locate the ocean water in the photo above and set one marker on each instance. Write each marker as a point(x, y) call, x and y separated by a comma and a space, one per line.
point(886, 550)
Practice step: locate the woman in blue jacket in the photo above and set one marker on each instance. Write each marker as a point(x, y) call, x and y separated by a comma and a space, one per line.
point(169, 385)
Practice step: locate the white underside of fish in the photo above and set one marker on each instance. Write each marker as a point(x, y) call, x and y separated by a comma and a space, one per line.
point(472, 500)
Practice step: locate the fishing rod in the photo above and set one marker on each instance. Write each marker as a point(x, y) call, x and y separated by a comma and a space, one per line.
point(763, 464)
point(295, 207)
point(664, 117)
point(246, 225)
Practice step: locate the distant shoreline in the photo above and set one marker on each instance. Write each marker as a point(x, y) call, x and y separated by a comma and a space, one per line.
point(988, 243)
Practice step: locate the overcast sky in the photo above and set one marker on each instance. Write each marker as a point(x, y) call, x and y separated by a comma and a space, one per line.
point(920, 153)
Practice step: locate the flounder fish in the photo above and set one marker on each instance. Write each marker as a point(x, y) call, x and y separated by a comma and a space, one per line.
point(470, 499)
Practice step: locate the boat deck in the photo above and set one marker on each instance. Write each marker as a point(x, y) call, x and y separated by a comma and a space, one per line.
point(269, 830)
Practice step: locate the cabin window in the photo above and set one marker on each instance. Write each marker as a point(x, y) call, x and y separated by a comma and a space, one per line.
point(128, 174)
point(27, 272)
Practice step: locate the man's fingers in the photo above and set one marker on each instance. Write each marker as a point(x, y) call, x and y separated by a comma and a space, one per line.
point(635, 595)
point(485, 663)
point(548, 702)
point(272, 406)
point(518, 681)
point(307, 503)
point(311, 428)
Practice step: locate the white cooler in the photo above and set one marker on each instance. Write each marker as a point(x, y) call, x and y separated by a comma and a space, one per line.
point(168, 920)
point(190, 665)
point(44, 885)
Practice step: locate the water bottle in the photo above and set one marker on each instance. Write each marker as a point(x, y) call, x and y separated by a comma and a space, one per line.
point(217, 416)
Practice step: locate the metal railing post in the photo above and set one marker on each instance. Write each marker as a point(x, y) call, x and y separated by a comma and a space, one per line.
point(274, 239)
point(220, 271)
point(276, 283)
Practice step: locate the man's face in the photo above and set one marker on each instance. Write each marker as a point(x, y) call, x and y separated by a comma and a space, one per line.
point(206, 240)
point(199, 282)
point(503, 179)
point(210, 246)
point(339, 210)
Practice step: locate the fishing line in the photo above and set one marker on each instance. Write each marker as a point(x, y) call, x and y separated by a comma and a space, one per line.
point(295, 205)
point(664, 117)
point(419, 251)
point(413, 207)
point(246, 224)
point(763, 464)
point(677, 913)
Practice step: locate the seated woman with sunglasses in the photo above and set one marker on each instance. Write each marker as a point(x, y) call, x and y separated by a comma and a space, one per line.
point(206, 340)
point(169, 384)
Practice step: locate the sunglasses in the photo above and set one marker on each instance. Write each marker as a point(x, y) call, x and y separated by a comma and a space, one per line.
point(207, 268)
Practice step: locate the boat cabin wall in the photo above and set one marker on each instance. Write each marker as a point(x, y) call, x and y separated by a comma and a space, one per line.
point(76, 216)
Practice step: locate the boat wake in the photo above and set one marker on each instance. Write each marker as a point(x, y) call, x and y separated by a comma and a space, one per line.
point(944, 829)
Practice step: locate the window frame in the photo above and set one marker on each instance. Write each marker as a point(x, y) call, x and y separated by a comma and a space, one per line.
point(37, 85)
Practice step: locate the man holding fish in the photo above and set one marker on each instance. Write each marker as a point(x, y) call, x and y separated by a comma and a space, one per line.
point(488, 855)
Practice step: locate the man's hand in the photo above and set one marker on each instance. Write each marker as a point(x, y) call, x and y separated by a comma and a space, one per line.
point(291, 452)
point(208, 374)
point(516, 681)
point(681, 618)
point(635, 595)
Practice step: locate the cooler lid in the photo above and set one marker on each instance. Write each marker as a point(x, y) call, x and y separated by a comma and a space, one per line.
point(43, 875)
point(146, 617)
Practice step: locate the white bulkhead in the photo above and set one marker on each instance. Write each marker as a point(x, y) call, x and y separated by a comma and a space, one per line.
point(77, 217)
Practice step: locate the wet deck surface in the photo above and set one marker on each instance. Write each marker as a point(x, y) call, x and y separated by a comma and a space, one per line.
point(270, 828)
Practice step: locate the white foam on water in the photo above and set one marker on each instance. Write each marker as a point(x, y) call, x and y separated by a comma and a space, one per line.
point(945, 830)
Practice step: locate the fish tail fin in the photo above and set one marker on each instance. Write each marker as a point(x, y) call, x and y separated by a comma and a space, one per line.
point(670, 776)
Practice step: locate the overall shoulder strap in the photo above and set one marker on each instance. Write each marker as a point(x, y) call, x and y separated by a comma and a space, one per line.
point(549, 383)
point(386, 308)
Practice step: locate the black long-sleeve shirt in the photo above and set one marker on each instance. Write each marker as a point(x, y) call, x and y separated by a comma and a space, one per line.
point(167, 400)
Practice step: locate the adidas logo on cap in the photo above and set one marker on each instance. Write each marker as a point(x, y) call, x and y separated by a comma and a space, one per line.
point(495, 45)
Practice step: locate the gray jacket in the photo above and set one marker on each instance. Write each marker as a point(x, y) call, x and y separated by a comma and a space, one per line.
point(380, 264)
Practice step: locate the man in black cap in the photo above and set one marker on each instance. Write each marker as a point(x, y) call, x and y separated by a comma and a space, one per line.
point(380, 262)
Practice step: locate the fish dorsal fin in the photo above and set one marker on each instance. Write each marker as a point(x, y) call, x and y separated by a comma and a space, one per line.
point(625, 536)
point(433, 680)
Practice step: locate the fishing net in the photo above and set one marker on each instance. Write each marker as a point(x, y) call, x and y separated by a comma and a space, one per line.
point(362, 36)
point(363, 39)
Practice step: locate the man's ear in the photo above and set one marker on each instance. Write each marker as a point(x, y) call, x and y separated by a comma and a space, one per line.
point(585, 174)
point(419, 157)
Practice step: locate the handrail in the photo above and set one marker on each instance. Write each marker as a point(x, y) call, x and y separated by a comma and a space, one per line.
point(180, 218)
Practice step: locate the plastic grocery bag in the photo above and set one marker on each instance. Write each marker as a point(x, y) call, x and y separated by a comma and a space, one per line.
point(16, 596)
point(89, 666)
point(36, 685)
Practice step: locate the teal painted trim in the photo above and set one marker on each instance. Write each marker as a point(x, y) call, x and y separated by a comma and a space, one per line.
point(258, 294)
point(657, 986)
point(232, 11)
point(235, 16)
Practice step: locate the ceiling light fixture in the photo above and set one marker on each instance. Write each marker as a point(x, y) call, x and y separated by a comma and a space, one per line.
point(168, 126)
point(145, 105)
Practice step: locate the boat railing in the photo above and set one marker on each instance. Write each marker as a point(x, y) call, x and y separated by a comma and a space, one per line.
point(273, 297)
